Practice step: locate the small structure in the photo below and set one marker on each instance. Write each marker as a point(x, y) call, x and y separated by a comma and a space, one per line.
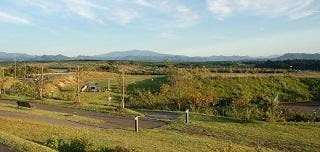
point(91, 87)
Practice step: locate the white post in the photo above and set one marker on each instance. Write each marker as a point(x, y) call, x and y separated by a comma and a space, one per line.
point(187, 116)
point(136, 124)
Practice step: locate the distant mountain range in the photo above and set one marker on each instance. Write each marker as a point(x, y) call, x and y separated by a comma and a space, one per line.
point(143, 55)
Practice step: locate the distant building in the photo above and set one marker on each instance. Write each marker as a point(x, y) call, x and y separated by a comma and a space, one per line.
point(91, 87)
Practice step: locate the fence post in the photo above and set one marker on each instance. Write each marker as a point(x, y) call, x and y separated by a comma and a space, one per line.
point(136, 124)
point(187, 116)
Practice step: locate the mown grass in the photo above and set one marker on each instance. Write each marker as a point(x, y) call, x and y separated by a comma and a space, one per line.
point(145, 140)
point(21, 144)
point(50, 114)
point(289, 136)
point(94, 107)
point(204, 133)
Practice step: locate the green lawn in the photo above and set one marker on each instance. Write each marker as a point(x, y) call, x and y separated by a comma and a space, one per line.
point(49, 114)
point(204, 133)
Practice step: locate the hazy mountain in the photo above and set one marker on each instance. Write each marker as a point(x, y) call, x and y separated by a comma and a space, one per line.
point(144, 55)
point(25, 57)
point(137, 55)
point(50, 58)
point(14, 56)
point(300, 56)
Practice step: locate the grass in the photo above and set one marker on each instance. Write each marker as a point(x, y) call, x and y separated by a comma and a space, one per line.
point(91, 101)
point(204, 133)
point(145, 140)
point(21, 144)
point(288, 136)
point(50, 114)
point(94, 107)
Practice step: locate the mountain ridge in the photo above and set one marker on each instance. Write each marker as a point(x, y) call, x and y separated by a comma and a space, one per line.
point(146, 55)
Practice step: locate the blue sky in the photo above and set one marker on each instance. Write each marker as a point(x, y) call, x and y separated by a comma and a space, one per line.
point(188, 27)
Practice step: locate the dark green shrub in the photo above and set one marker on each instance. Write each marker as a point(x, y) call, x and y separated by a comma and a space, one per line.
point(116, 149)
point(80, 145)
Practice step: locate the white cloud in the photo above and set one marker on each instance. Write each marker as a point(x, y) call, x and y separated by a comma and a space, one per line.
point(177, 14)
point(220, 8)
point(5, 17)
point(124, 16)
point(167, 35)
point(292, 9)
point(82, 8)
point(186, 13)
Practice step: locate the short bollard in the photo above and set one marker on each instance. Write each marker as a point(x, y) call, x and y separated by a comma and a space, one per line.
point(187, 116)
point(136, 124)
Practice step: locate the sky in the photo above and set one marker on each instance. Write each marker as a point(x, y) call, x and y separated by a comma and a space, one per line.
point(186, 27)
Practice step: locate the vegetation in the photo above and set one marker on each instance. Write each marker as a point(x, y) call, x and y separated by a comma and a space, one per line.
point(234, 106)
point(205, 133)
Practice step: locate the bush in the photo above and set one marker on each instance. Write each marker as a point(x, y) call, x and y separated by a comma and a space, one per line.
point(80, 145)
point(28, 89)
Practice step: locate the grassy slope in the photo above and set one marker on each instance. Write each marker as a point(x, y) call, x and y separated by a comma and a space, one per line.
point(110, 109)
point(277, 136)
point(49, 114)
point(203, 134)
point(21, 144)
point(92, 101)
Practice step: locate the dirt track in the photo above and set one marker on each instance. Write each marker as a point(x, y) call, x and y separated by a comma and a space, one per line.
point(109, 121)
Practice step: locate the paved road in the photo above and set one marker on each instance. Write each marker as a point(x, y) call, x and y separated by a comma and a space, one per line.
point(4, 148)
point(310, 107)
point(109, 121)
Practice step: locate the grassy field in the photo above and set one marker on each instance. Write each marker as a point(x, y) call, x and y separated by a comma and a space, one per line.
point(204, 133)
point(49, 114)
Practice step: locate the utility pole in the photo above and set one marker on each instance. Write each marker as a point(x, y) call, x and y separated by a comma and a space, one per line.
point(122, 88)
point(3, 76)
point(109, 85)
point(78, 85)
point(25, 71)
point(41, 84)
point(15, 67)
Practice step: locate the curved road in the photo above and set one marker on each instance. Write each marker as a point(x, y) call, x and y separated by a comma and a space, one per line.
point(4, 148)
point(109, 121)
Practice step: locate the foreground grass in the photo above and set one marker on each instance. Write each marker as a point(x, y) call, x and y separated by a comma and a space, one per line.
point(146, 140)
point(288, 136)
point(204, 133)
point(21, 144)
